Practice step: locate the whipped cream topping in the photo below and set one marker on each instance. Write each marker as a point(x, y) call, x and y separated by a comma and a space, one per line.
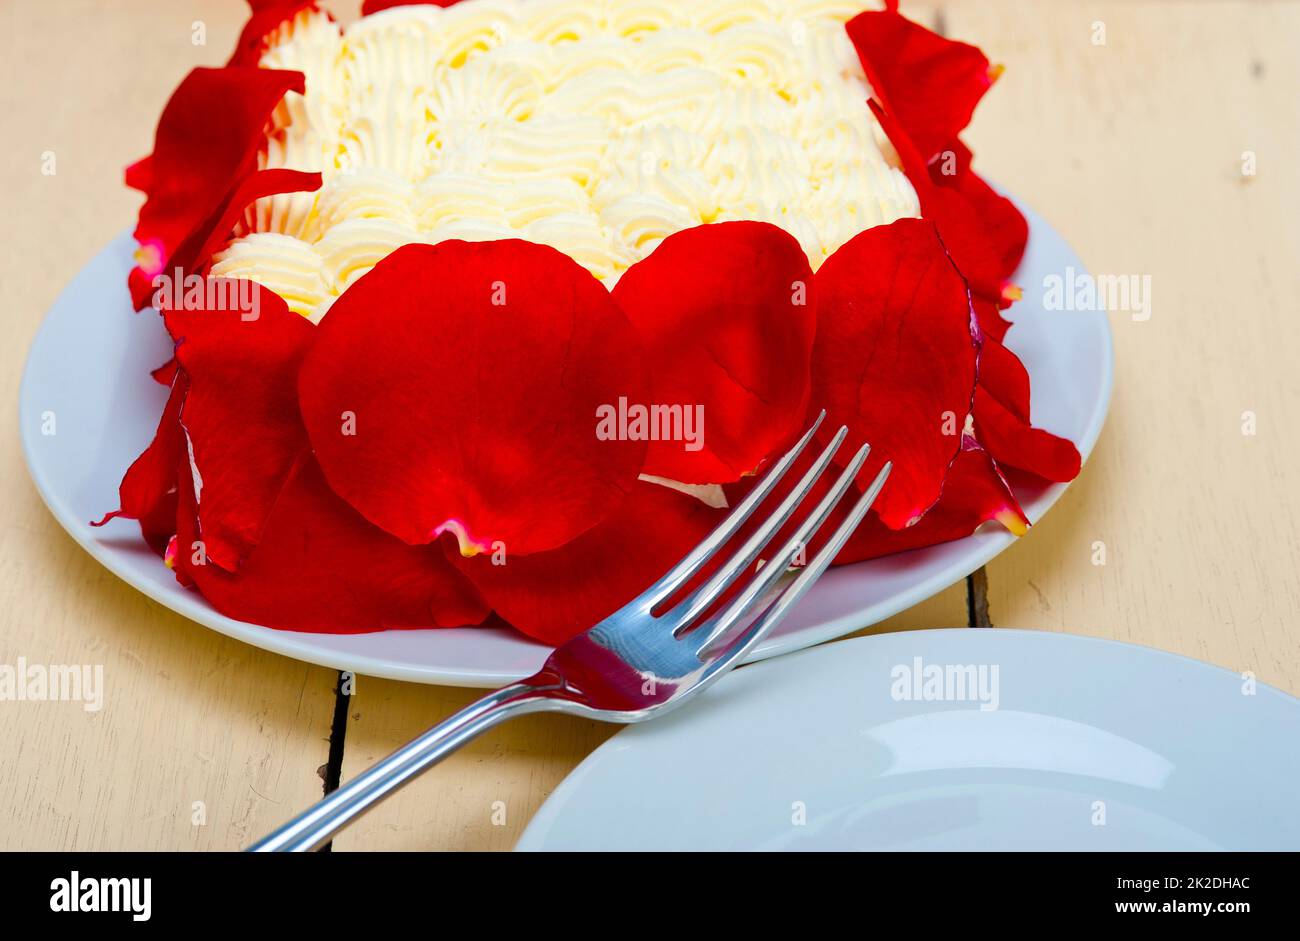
point(599, 127)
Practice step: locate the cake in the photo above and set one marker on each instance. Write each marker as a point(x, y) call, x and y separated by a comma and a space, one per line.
point(598, 128)
point(488, 251)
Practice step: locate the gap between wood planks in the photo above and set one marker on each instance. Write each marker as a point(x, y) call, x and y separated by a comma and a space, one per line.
point(332, 771)
point(977, 599)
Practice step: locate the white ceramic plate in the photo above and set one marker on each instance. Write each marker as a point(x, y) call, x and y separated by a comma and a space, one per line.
point(1094, 745)
point(89, 369)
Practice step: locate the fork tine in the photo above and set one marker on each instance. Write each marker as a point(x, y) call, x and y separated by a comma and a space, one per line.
point(777, 565)
point(686, 569)
point(744, 557)
point(754, 634)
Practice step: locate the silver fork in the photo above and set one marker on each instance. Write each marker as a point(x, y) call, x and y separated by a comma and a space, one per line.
point(636, 664)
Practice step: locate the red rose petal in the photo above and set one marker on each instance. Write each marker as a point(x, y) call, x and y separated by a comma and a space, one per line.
point(241, 415)
point(895, 359)
point(206, 147)
point(728, 317)
point(139, 175)
point(148, 490)
point(165, 374)
point(989, 314)
point(1012, 441)
point(252, 188)
point(555, 595)
point(267, 16)
point(929, 83)
point(974, 493)
point(983, 229)
point(984, 232)
point(1003, 375)
point(457, 386)
point(1002, 419)
point(320, 567)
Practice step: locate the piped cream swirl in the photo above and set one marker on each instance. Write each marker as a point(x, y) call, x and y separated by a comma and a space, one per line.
point(599, 127)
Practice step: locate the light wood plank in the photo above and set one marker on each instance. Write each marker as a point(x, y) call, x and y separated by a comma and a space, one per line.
point(1134, 150)
point(188, 716)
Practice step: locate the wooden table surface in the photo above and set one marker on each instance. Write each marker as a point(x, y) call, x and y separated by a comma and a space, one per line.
point(1133, 148)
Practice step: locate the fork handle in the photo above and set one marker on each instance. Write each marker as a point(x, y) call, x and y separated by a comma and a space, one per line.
point(314, 827)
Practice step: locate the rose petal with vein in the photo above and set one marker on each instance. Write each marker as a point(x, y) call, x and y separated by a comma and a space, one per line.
point(473, 408)
point(895, 360)
point(240, 417)
point(727, 313)
point(930, 84)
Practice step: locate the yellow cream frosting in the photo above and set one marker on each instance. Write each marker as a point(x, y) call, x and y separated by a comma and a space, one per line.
point(599, 127)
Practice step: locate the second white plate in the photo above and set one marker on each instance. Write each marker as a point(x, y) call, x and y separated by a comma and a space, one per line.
point(1024, 741)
